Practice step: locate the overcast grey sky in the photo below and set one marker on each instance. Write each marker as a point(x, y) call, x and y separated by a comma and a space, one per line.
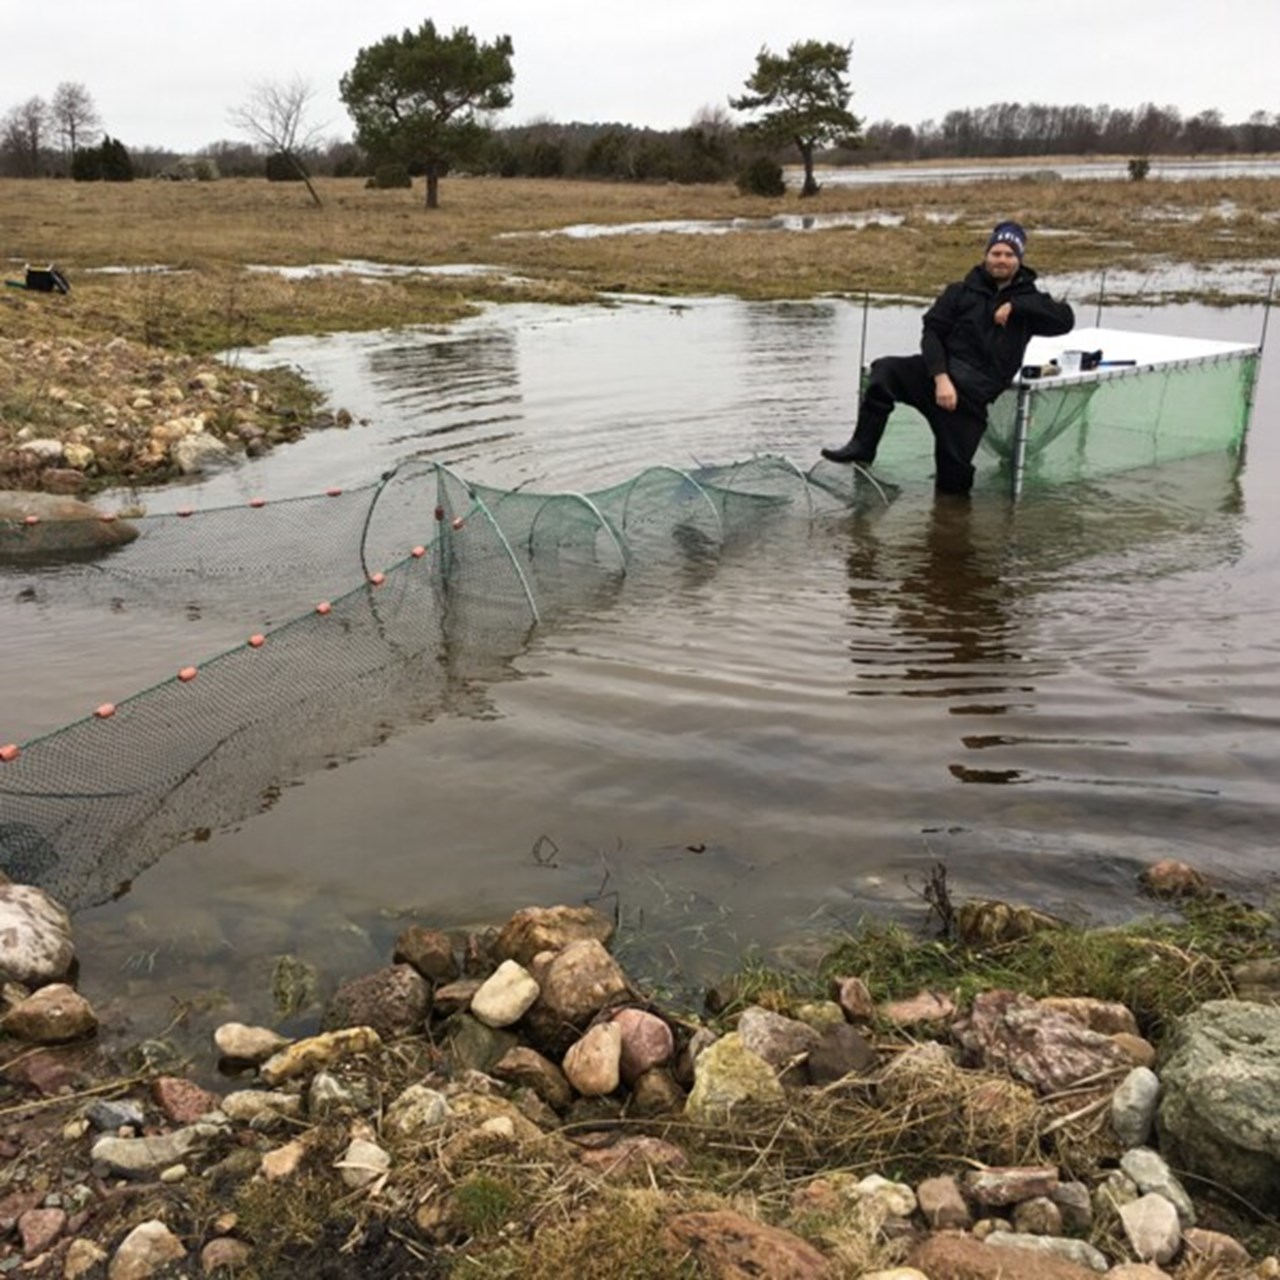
point(167, 72)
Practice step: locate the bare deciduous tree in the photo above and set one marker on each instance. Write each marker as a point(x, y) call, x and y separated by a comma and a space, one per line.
point(275, 116)
point(74, 116)
point(24, 136)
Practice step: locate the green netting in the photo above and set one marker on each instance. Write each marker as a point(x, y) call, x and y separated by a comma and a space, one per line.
point(1125, 419)
point(1099, 425)
point(332, 619)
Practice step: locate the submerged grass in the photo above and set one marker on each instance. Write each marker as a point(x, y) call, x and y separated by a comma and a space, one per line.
point(1159, 968)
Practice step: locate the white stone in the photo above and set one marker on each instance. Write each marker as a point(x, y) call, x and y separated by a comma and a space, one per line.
point(140, 1157)
point(1081, 1252)
point(247, 1044)
point(142, 1253)
point(195, 453)
point(1133, 1106)
point(35, 936)
point(1151, 1225)
point(506, 996)
point(261, 1107)
point(1150, 1173)
point(417, 1109)
point(363, 1162)
point(44, 449)
point(893, 1198)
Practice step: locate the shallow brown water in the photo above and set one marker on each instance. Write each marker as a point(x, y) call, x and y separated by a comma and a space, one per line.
point(749, 751)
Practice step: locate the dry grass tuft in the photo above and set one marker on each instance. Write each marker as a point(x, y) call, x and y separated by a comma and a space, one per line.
point(617, 1237)
point(920, 1115)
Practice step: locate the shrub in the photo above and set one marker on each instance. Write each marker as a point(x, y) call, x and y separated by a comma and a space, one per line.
point(546, 159)
point(117, 165)
point(283, 168)
point(653, 159)
point(1139, 167)
point(608, 156)
point(387, 176)
point(108, 162)
point(500, 158)
point(86, 165)
point(703, 155)
point(762, 177)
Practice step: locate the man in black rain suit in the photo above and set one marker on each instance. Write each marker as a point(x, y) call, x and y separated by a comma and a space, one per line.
point(974, 339)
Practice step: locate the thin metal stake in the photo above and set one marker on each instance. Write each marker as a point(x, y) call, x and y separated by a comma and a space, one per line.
point(862, 348)
point(1102, 288)
point(1266, 314)
point(1021, 429)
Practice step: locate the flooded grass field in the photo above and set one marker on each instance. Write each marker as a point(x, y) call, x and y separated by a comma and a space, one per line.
point(734, 750)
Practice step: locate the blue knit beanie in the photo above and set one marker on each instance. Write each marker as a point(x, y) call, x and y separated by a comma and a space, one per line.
point(1012, 234)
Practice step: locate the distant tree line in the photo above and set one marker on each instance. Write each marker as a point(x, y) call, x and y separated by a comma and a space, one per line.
point(1038, 129)
point(709, 150)
point(63, 138)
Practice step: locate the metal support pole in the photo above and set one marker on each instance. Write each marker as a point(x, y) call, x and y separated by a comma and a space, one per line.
point(1021, 429)
point(1266, 315)
point(1102, 288)
point(862, 346)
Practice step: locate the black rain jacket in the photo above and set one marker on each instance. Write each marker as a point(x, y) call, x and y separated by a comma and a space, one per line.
point(961, 338)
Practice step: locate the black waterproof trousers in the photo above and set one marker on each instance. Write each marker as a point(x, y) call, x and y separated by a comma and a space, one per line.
point(956, 432)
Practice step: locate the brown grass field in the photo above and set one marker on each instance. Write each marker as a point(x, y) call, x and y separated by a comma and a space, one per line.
point(65, 359)
point(211, 231)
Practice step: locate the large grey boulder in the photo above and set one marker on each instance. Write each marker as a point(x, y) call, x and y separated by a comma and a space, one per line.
point(35, 526)
point(1219, 1114)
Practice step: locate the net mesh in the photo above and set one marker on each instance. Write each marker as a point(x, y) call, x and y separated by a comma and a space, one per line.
point(439, 580)
point(1127, 419)
point(1087, 428)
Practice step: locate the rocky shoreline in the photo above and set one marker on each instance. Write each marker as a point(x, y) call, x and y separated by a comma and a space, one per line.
point(510, 1103)
point(86, 412)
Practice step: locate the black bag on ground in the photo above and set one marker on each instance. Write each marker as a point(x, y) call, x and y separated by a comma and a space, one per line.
point(47, 280)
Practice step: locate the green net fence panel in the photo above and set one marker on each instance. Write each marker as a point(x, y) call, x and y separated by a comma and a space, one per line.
point(1098, 425)
point(1127, 418)
point(331, 620)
